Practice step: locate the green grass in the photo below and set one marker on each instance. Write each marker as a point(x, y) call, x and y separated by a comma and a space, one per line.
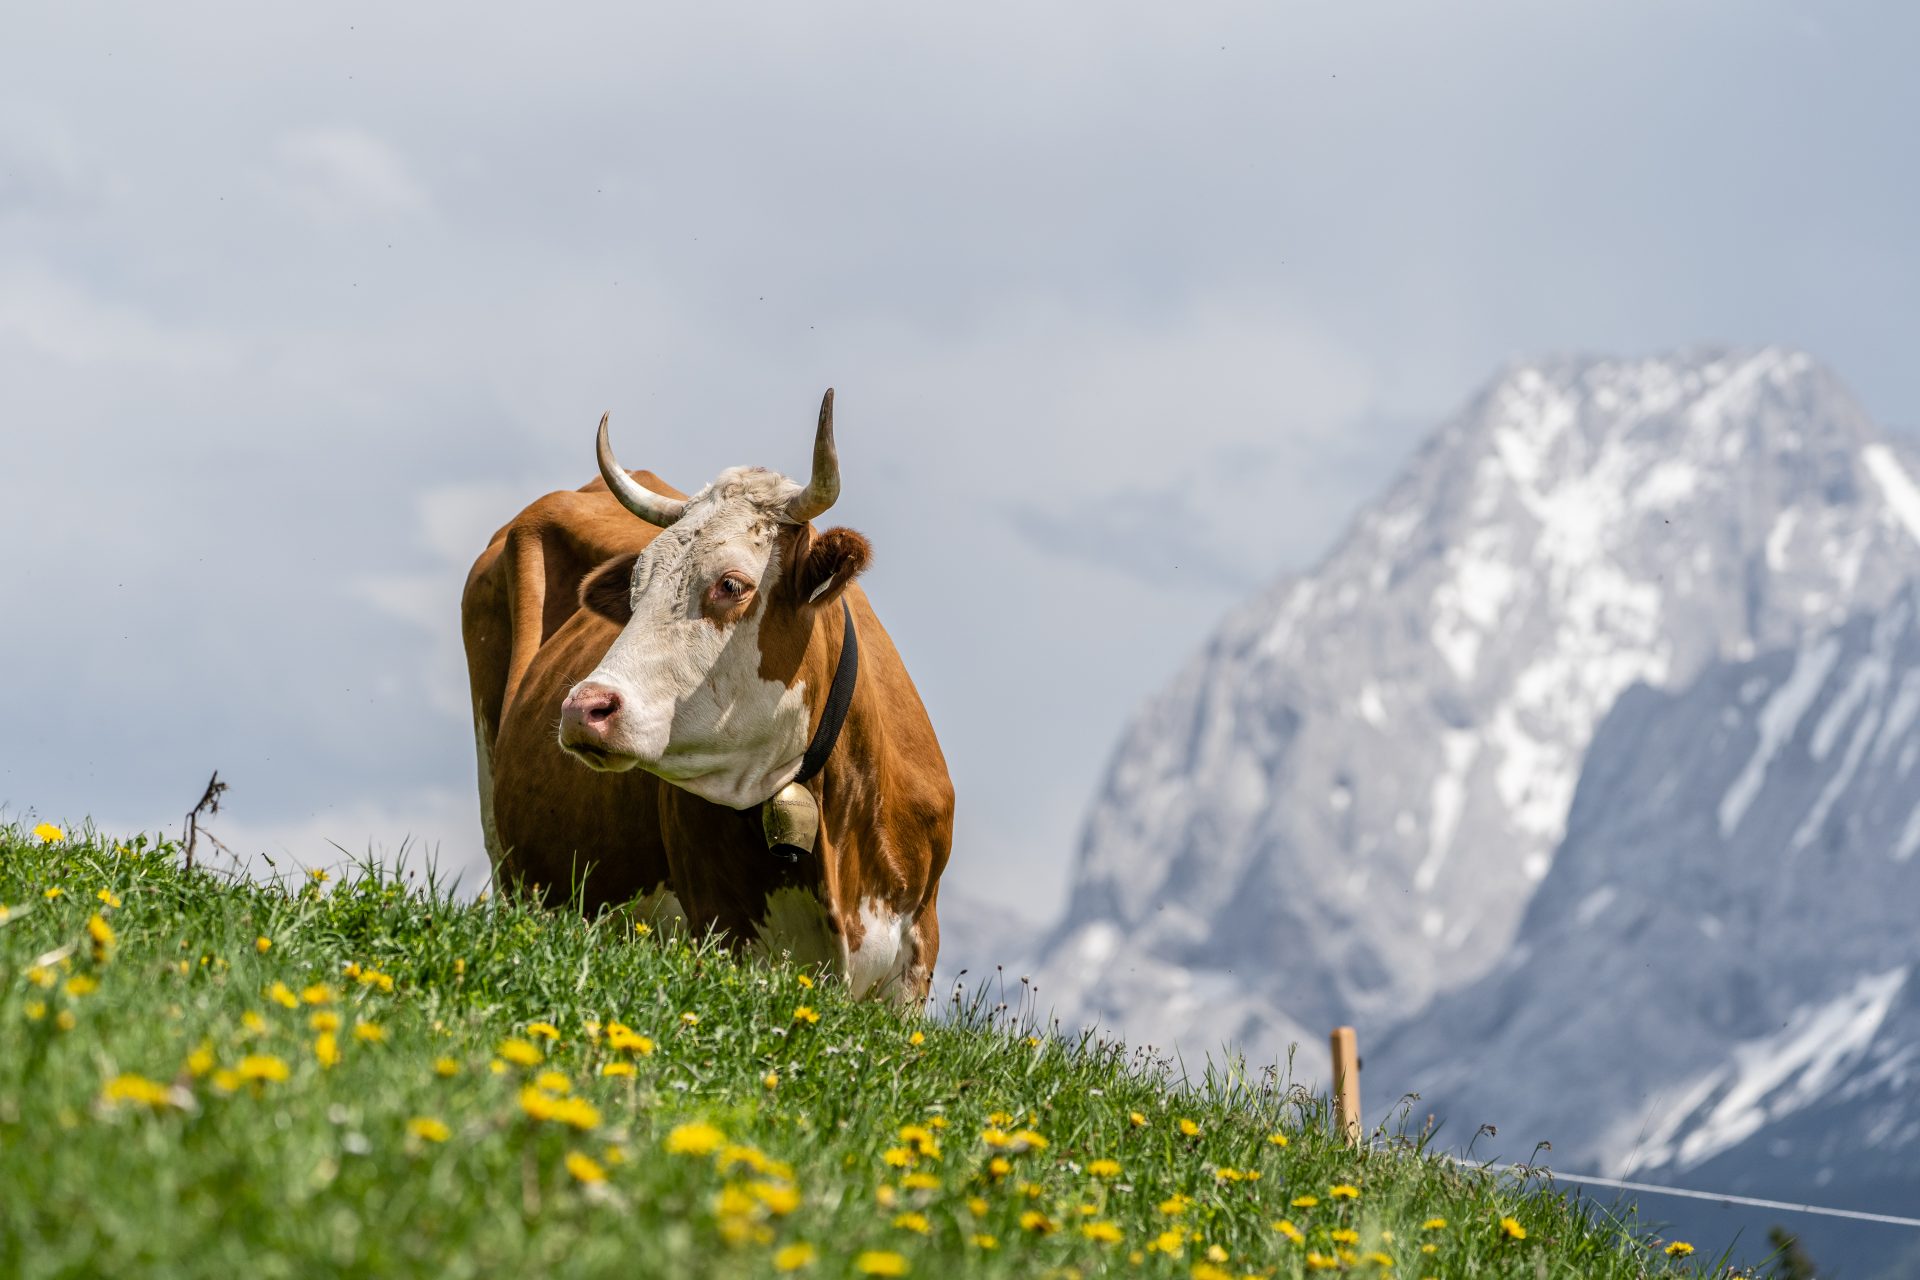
point(320, 1173)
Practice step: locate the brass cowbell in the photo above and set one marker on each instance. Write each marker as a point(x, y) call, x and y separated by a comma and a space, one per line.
point(791, 818)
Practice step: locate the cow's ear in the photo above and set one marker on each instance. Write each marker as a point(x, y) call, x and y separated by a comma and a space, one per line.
point(832, 560)
point(608, 590)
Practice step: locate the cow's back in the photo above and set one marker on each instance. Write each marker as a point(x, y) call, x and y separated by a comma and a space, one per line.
point(549, 821)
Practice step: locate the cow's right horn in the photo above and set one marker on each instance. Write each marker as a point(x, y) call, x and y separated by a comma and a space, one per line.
point(643, 502)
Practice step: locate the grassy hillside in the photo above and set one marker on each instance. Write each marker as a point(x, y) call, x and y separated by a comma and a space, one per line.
point(200, 1077)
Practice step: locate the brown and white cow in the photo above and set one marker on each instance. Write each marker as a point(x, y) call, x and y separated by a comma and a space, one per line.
point(685, 647)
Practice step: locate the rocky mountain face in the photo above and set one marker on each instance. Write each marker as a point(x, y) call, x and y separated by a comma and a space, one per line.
point(1346, 804)
point(1721, 966)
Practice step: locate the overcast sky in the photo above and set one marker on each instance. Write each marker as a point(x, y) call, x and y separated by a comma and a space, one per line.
point(1129, 307)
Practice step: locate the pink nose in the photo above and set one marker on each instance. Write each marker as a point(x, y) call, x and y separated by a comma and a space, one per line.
point(588, 713)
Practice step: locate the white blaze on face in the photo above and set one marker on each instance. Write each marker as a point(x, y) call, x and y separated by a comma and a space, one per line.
point(696, 710)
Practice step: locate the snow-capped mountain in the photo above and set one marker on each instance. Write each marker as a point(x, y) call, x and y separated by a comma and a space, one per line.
point(1718, 983)
point(1344, 805)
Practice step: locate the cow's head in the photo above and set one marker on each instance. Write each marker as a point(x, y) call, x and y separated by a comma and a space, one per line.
point(702, 686)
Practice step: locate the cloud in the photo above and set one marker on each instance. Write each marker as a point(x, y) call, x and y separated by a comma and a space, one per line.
point(338, 175)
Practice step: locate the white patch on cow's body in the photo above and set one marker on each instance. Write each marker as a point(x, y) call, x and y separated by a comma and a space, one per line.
point(795, 925)
point(488, 831)
point(879, 965)
point(697, 711)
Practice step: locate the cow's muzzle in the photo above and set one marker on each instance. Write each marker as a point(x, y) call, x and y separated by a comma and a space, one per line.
point(590, 726)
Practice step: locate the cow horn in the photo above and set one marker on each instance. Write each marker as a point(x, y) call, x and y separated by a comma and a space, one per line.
point(825, 485)
point(643, 502)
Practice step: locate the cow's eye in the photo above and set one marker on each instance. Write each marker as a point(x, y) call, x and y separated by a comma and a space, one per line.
point(730, 588)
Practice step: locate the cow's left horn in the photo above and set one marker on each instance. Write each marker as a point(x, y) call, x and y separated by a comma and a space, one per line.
point(643, 502)
point(825, 485)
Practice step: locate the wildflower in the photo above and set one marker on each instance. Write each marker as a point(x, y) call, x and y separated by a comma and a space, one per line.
point(49, 833)
point(1291, 1232)
point(281, 994)
point(263, 1066)
point(617, 1069)
point(1227, 1173)
point(108, 896)
point(136, 1088)
point(1216, 1254)
point(201, 1060)
point(780, 1198)
point(1135, 1119)
point(916, 1222)
point(917, 1039)
point(370, 1033)
point(263, 944)
point(1207, 1271)
point(1277, 1139)
point(999, 1167)
point(1344, 1191)
point(806, 1014)
point(65, 1020)
point(326, 1049)
point(771, 1079)
point(690, 1019)
point(445, 1067)
point(1028, 1140)
point(897, 1157)
point(253, 1022)
point(102, 934)
point(521, 1052)
point(1679, 1249)
point(1345, 1235)
point(921, 1139)
point(1188, 1129)
point(1305, 1202)
point(880, 1262)
point(1513, 1228)
point(884, 1196)
point(81, 984)
point(695, 1139)
point(1378, 1259)
point(318, 875)
point(585, 1168)
point(984, 1242)
point(804, 981)
point(1321, 1262)
point(324, 1020)
point(428, 1129)
point(40, 976)
point(1434, 1224)
point(620, 1037)
point(544, 1030)
point(977, 1206)
point(1000, 1120)
point(36, 1010)
point(1429, 1247)
point(1104, 1168)
point(375, 978)
point(1104, 1232)
point(53, 893)
point(921, 1182)
point(1175, 1205)
point(226, 1080)
point(553, 1082)
point(1034, 1220)
point(318, 993)
point(792, 1257)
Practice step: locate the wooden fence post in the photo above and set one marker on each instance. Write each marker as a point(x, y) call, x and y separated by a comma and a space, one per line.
point(1346, 1084)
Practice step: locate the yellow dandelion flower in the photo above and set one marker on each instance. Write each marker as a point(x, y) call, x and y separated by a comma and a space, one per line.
point(253, 1022)
point(318, 875)
point(804, 981)
point(108, 896)
point(1175, 1205)
point(263, 1066)
point(137, 1088)
point(35, 1010)
point(544, 1030)
point(806, 1014)
point(53, 893)
point(585, 1168)
point(920, 1182)
point(1513, 1229)
point(1321, 1262)
point(1028, 1140)
point(65, 1020)
point(1344, 1191)
point(690, 1019)
point(522, 1053)
point(921, 1139)
point(227, 1080)
point(1034, 1220)
point(1344, 1235)
point(318, 993)
point(1378, 1259)
point(48, 833)
point(771, 1079)
point(323, 1020)
point(1000, 1120)
point(619, 1037)
point(985, 1242)
point(100, 931)
point(40, 976)
point(370, 1032)
point(885, 1196)
point(427, 1129)
point(1277, 1139)
point(445, 1068)
point(916, 1222)
point(897, 1157)
point(1305, 1202)
point(617, 1069)
point(917, 1039)
point(263, 944)
point(201, 1060)
point(281, 994)
point(1291, 1232)
point(880, 1262)
point(977, 1206)
point(792, 1257)
point(1104, 1168)
point(1434, 1224)
point(1429, 1248)
point(1207, 1271)
point(1188, 1129)
point(780, 1198)
point(81, 984)
point(695, 1139)
point(326, 1049)
point(1679, 1249)
point(1136, 1119)
point(999, 1167)
point(1103, 1232)
point(1227, 1173)
point(1216, 1254)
